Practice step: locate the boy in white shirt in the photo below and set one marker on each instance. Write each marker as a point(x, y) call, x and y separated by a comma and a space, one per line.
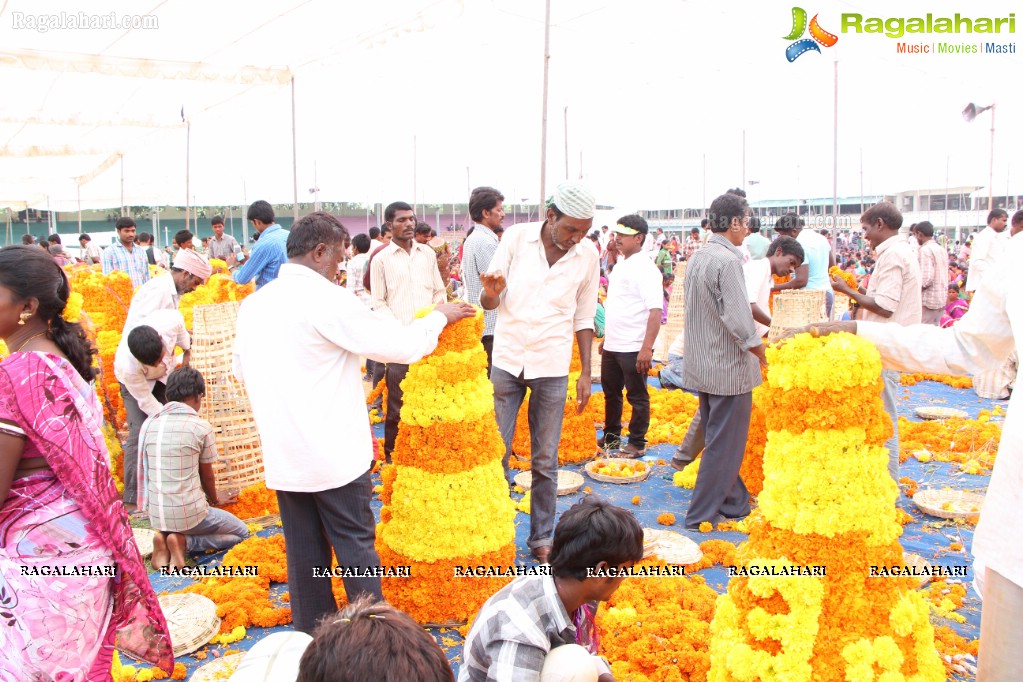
point(632, 319)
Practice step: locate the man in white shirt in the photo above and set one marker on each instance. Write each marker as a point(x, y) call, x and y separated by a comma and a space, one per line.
point(144, 358)
point(632, 319)
point(980, 341)
point(222, 245)
point(404, 278)
point(987, 245)
point(813, 273)
point(309, 407)
point(91, 253)
point(163, 292)
point(543, 283)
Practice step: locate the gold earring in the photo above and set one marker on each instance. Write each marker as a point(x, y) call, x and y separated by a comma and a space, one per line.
point(25, 317)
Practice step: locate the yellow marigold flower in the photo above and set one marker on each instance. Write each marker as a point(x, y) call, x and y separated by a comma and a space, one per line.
point(706, 527)
point(635, 500)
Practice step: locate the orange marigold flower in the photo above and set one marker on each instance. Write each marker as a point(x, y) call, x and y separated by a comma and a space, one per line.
point(666, 519)
point(706, 527)
point(635, 500)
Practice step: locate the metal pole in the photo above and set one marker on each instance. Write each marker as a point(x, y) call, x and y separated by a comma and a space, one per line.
point(294, 154)
point(945, 227)
point(861, 181)
point(703, 211)
point(834, 172)
point(415, 176)
point(744, 157)
point(566, 143)
point(468, 184)
point(188, 168)
point(543, 125)
point(78, 187)
point(991, 166)
point(121, 156)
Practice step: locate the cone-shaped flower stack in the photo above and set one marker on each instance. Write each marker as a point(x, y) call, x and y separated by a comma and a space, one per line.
point(446, 501)
point(828, 501)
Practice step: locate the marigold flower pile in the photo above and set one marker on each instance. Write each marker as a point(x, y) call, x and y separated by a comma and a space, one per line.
point(445, 498)
point(658, 629)
point(827, 501)
point(971, 443)
point(912, 379)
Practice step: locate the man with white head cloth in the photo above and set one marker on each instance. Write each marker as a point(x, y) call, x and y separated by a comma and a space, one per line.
point(543, 283)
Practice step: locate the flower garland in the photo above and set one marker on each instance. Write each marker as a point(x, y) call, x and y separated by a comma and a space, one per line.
point(827, 501)
point(850, 279)
point(445, 498)
point(912, 379)
point(658, 629)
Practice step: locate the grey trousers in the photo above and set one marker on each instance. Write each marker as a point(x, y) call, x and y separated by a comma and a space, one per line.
point(929, 316)
point(339, 518)
point(719, 489)
point(889, 395)
point(131, 446)
point(546, 413)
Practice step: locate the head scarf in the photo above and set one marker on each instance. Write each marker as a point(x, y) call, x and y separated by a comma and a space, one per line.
point(574, 200)
point(195, 263)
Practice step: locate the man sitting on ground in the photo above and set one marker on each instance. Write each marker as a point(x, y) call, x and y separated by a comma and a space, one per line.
point(176, 482)
point(519, 626)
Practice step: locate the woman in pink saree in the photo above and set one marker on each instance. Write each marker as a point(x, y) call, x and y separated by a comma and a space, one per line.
point(72, 583)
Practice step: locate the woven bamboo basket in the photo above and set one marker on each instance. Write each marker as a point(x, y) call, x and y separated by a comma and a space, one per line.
point(144, 540)
point(796, 308)
point(191, 619)
point(949, 504)
point(591, 470)
point(226, 406)
point(670, 547)
point(568, 481)
point(676, 323)
point(218, 669)
point(918, 562)
point(931, 412)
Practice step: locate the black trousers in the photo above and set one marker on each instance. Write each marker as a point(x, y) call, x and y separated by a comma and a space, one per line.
point(617, 372)
point(488, 345)
point(339, 518)
point(394, 376)
point(719, 489)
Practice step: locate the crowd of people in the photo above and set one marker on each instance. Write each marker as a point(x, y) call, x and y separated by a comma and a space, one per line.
point(544, 287)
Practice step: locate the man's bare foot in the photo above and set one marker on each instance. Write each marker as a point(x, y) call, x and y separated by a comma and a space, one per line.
point(161, 555)
point(178, 546)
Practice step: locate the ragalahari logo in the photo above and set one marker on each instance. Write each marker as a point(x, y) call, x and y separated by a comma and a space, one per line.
point(818, 35)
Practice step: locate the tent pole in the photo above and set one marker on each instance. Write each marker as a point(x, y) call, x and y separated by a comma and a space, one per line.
point(79, 188)
point(188, 168)
point(543, 126)
point(294, 153)
point(122, 184)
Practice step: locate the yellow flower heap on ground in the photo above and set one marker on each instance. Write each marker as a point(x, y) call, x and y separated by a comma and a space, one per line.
point(446, 501)
point(829, 502)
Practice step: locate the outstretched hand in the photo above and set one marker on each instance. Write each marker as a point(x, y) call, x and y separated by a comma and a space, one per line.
point(493, 285)
point(455, 311)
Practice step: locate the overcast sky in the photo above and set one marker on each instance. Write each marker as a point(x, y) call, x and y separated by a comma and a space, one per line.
point(652, 89)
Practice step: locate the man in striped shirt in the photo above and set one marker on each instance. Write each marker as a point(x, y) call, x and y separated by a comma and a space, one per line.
point(722, 353)
point(486, 208)
point(125, 256)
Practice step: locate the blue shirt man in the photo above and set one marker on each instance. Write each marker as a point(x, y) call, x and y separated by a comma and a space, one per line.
point(270, 251)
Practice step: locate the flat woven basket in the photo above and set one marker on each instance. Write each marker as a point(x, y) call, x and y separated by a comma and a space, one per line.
point(226, 406)
point(144, 540)
point(640, 476)
point(928, 412)
point(917, 561)
point(950, 504)
point(676, 323)
point(263, 522)
point(568, 481)
point(670, 547)
point(219, 669)
point(192, 621)
point(796, 308)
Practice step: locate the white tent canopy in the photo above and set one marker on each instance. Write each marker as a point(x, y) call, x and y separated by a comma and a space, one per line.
point(660, 103)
